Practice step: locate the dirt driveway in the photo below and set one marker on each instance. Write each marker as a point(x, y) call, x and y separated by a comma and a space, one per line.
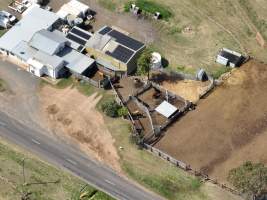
point(20, 100)
point(73, 117)
point(227, 128)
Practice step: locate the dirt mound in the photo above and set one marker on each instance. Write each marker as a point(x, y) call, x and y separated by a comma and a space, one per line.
point(227, 128)
point(72, 115)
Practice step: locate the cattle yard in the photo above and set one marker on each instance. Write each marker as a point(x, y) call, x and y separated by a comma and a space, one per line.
point(144, 105)
point(227, 128)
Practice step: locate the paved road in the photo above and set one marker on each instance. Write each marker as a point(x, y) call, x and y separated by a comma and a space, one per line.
point(67, 157)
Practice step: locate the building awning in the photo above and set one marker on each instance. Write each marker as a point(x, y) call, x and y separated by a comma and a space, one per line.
point(166, 109)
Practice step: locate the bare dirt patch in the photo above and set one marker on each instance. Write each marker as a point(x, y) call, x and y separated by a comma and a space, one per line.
point(188, 89)
point(227, 128)
point(73, 116)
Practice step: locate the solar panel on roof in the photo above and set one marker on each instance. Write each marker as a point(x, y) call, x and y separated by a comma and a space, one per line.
point(125, 40)
point(80, 33)
point(76, 39)
point(105, 30)
point(121, 53)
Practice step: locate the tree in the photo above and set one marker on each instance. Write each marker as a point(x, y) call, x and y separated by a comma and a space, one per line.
point(144, 62)
point(110, 108)
point(249, 178)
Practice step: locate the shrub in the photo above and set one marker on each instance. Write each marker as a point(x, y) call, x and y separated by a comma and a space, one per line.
point(143, 62)
point(111, 108)
point(122, 112)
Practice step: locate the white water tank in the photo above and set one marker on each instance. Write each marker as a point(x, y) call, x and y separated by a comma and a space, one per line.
point(156, 61)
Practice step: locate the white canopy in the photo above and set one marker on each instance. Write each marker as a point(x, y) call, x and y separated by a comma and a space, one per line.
point(166, 109)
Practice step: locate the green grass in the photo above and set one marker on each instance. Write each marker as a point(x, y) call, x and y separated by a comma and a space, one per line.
point(65, 187)
point(220, 71)
point(261, 24)
point(2, 32)
point(61, 84)
point(186, 70)
point(82, 86)
point(150, 7)
point(108, 4)
point(85, 88)
point(2, 86)
point(64, 83)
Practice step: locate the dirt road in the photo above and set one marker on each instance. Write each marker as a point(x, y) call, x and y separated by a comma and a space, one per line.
point(227, 128)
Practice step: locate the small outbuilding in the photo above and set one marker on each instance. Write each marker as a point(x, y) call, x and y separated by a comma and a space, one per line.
point(230, 58)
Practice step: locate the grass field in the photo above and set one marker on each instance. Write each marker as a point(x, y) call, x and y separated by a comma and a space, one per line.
point(66, 187)
point(199, 29)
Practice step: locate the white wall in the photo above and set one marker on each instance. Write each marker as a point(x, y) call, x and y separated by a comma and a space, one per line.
point(35, 71)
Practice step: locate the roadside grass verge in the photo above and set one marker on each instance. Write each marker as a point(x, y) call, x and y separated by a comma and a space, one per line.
point(150, 7)
point(66, 186)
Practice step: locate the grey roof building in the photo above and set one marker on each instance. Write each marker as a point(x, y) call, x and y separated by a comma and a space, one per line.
point(32, 41)
point(36, 20)
point(47, 42)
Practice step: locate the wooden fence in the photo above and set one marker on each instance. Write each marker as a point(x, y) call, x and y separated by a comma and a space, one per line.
point(187, 168)
point(88, 80)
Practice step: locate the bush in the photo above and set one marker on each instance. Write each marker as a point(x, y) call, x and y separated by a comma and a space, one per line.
point(122, 112)
point(112, 109)
point(143, 62)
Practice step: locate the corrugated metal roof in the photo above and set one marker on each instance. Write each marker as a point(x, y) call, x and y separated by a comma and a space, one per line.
point(24, 51)
point(53, 61)
point(76, 61)
point(166, 109)
point(37, 19)
point(46, 41)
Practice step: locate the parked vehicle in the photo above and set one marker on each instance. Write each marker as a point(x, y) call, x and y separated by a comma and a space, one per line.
point(11, 18)
point(4, 23)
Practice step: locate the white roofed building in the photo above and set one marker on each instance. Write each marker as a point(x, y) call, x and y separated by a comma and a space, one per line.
point(75, 8)
point(44, 52)
point(166, 109)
